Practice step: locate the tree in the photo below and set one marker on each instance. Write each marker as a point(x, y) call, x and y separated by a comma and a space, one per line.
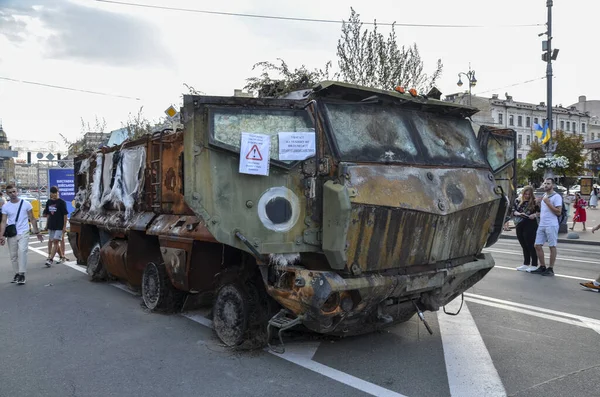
point(81, 144)
point(368, 58)
point(570, 146)
point(364, 57)
point(287, 81)
point(526, 167)
point(137, 125)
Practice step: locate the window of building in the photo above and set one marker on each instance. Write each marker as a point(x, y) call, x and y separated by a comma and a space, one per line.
point(528, 122)
point(511, 120)
point(593, 136)
point(500, 118)
point(574, 127)
point(562, 125)
point(519, 156)
point(583, 128)
point(536, 138)
point(520, 121)
point(528, 140)
point(536, 120)
point(520, 139)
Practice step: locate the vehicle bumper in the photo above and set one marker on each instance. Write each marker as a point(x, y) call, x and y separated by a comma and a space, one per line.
point(329, 303)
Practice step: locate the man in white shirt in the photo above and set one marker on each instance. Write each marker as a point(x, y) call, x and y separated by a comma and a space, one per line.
point(19, 244)
point(550, 209)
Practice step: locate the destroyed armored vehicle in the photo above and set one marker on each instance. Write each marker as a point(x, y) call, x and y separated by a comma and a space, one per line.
point(343, 211)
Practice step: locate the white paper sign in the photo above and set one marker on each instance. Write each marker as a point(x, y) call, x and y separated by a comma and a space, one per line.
point(296, 145)
point(254, 154)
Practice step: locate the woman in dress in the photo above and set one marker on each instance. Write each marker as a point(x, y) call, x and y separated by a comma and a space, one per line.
point(525, 212)
point(580, 214)
point(594, 199)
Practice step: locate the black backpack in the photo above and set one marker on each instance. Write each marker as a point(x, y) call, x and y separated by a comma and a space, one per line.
point(563, 214)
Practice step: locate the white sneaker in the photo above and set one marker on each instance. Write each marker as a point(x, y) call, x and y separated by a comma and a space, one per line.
point(523, 268)
point(531, 268)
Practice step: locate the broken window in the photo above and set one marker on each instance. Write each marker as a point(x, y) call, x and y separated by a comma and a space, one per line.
point(372, 132)
point(228, 124)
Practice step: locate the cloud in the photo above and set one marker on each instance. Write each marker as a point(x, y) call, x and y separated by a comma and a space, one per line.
point(84, 33)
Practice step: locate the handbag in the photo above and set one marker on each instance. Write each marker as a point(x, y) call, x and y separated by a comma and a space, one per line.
point(11, 230)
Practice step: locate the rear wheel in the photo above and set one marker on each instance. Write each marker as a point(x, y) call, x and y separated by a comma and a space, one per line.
point(95, 268)
point(158, 292)
point(240, 314)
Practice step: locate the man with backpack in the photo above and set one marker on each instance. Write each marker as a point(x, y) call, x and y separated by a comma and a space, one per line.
point(551, 209)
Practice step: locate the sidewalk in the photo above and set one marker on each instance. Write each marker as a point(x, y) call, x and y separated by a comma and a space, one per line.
point(587, 237)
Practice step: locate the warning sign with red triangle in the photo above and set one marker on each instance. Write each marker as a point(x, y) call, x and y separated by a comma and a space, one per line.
point(254, 154)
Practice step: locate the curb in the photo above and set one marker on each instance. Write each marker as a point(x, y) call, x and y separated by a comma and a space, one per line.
point(560, 240)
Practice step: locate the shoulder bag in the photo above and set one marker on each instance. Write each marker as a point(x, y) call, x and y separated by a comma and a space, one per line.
point(11, 230)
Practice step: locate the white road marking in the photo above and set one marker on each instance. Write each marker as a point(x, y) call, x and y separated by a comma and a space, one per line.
point(560, 248)
point(470, 369)
point(302, 354)
point(555, 275)
point(563, 317)
point(574, 259)
point(74, 265)
point(199, 317)
point(298, 354)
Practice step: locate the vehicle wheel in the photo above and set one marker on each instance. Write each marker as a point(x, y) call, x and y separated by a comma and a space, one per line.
point(240, 315)
point(158, 292)
point(95, 268)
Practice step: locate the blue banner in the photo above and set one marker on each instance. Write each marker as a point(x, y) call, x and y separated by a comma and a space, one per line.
point(64, 180)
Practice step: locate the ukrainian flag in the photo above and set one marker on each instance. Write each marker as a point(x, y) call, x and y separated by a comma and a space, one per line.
point(542, 133)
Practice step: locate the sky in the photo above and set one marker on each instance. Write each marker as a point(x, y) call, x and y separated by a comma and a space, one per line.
point(141, 57)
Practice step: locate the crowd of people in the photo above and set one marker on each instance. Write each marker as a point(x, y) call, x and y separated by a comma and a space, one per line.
point(537, 223)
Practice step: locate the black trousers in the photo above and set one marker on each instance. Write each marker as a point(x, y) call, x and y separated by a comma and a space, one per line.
point(526, 231)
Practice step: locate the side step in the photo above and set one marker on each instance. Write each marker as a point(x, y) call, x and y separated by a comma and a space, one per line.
point(283, 322)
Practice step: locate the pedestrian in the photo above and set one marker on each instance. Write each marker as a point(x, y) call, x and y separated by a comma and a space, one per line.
point(550, 209)
point(594, 199)
point(592, 285)
point(61, 248)
point(56, 211)
point(525, 213)
point(15, 229)
point(580, 214)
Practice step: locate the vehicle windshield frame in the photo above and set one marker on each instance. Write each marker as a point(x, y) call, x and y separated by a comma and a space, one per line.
point(423, 157)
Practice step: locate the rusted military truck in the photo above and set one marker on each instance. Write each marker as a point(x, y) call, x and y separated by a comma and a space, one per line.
point(381, 212)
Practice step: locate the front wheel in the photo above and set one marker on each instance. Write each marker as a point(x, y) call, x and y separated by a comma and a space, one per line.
point(240, 314)
point(95, 267)
point(158, 292)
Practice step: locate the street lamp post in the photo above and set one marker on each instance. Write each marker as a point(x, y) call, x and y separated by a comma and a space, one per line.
point(470, 75)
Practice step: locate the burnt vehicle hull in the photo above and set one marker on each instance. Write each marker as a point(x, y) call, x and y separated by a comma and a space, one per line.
point(385, 217)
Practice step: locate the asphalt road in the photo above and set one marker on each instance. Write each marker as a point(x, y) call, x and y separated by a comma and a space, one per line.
point(518, 334)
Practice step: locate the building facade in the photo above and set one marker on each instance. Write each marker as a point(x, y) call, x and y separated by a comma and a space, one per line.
point(521, 116)
point(7, 164)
